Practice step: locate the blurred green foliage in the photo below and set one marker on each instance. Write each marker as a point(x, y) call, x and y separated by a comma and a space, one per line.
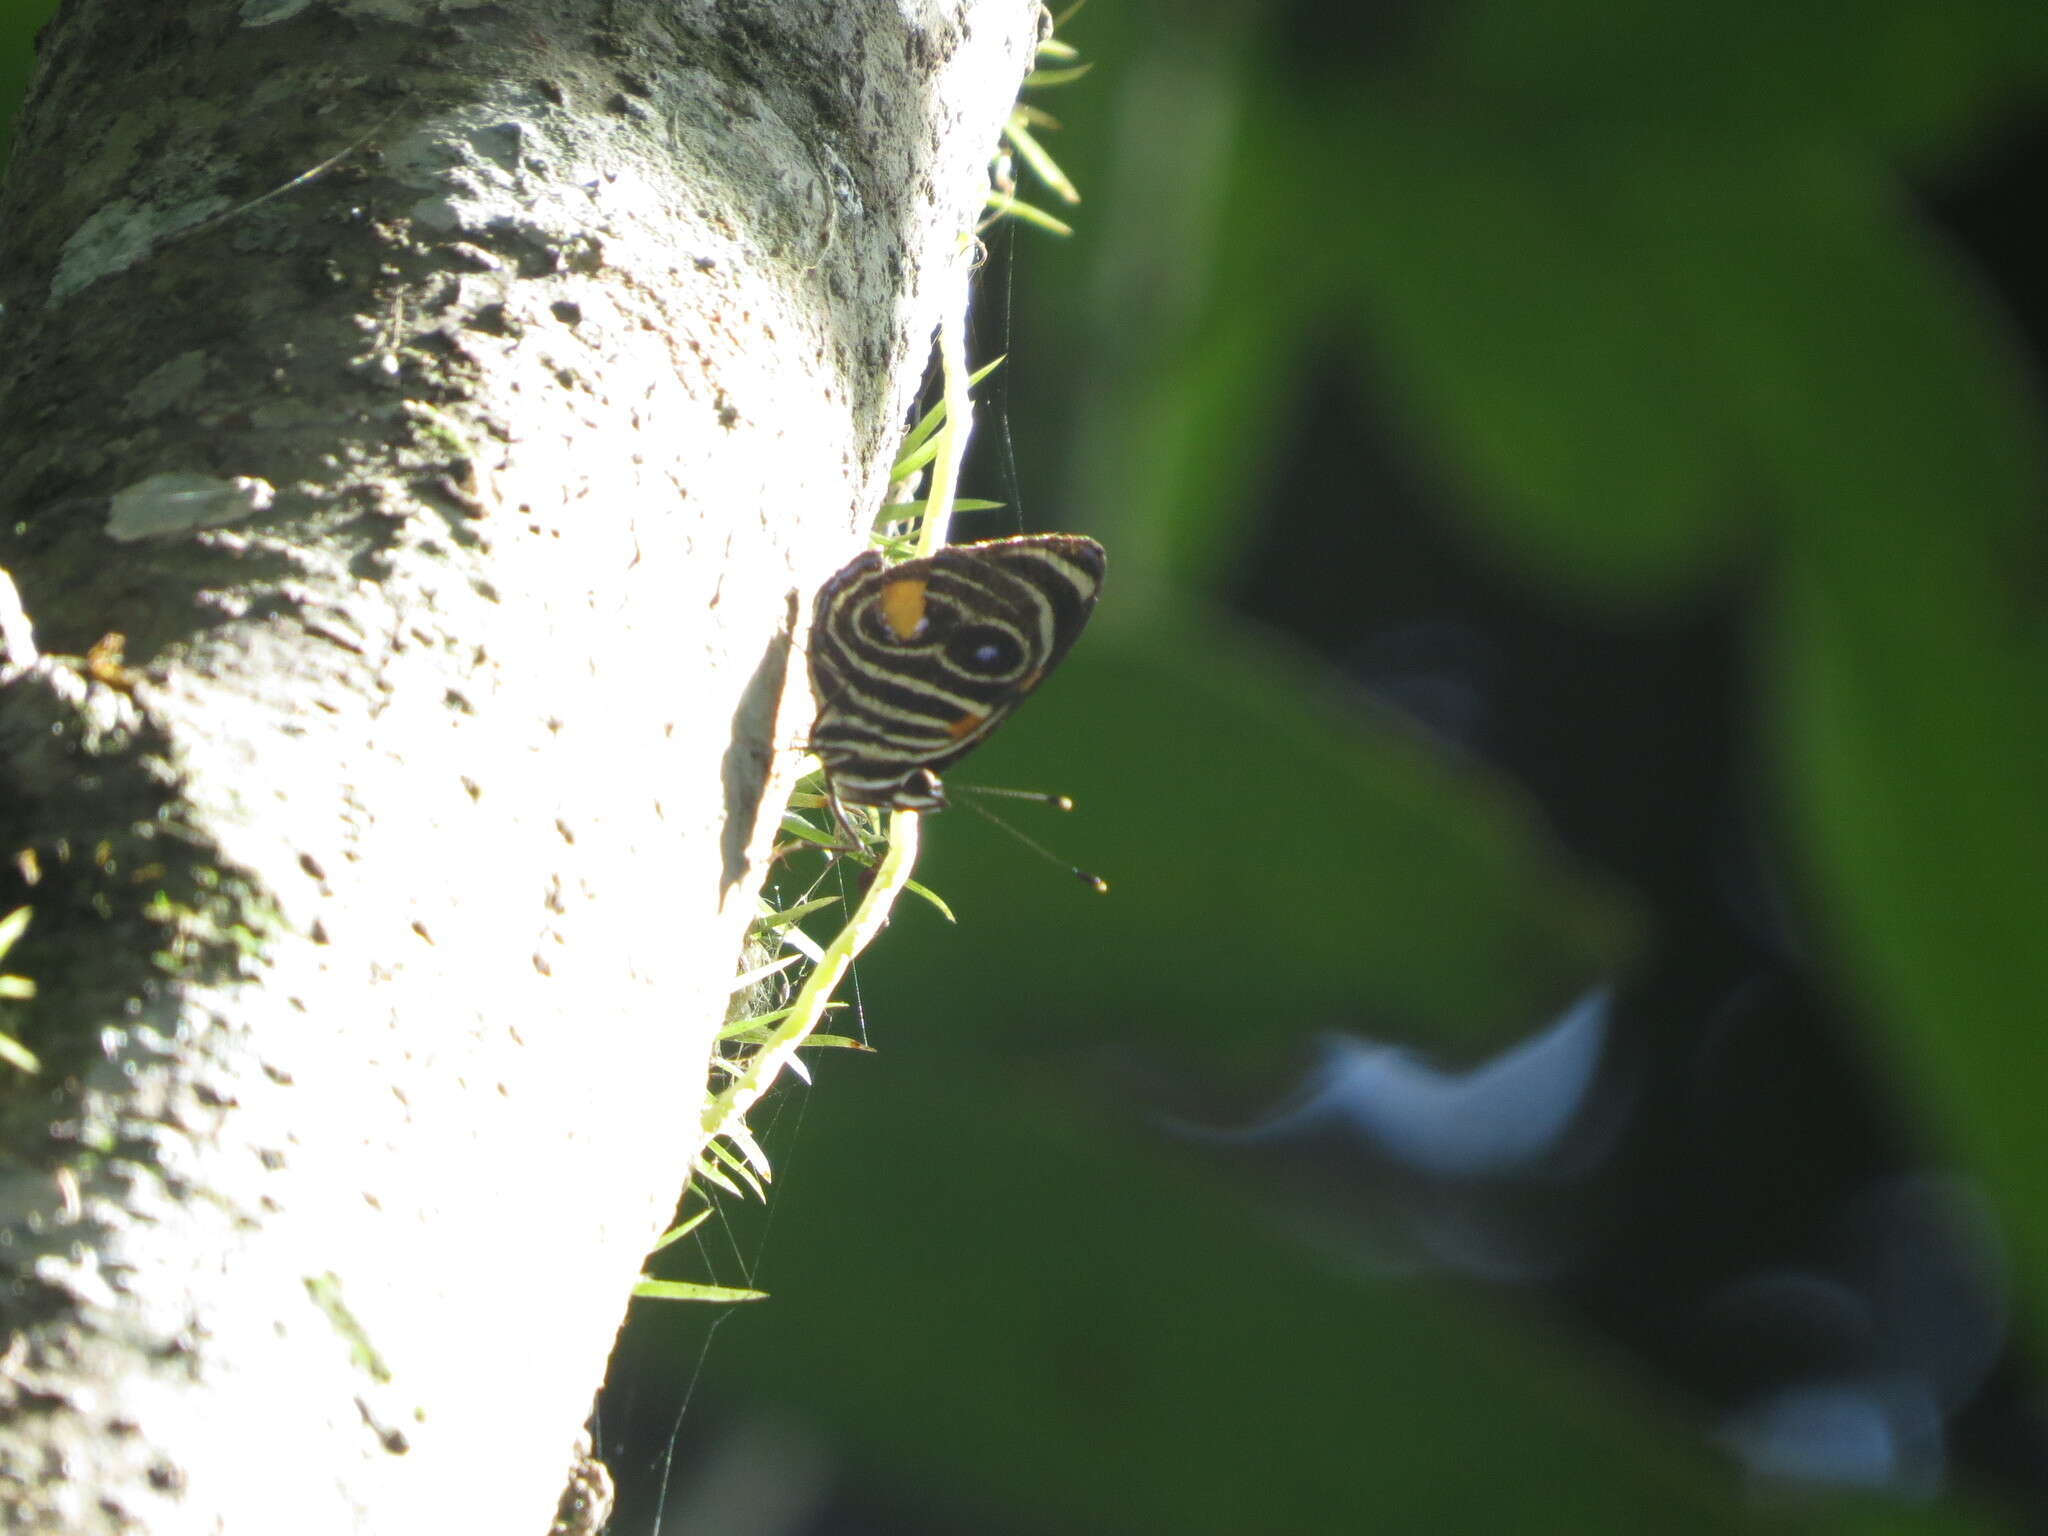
point(1651, 294)
point(1649, 291)
point(18, 25)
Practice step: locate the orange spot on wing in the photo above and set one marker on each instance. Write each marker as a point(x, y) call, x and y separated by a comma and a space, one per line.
point(965, 725)
point(903, 607)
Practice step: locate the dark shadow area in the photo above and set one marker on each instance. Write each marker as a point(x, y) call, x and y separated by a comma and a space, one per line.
point(744, 768)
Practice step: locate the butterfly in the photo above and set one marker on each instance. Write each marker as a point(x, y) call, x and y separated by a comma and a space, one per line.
point(914, 664)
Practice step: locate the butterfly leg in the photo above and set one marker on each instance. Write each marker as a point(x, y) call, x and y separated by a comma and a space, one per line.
point(849, 835)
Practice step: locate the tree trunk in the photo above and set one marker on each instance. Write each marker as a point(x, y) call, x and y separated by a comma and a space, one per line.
point(453, 406)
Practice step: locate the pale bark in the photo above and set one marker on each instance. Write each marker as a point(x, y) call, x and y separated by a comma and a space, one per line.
point(387, 892)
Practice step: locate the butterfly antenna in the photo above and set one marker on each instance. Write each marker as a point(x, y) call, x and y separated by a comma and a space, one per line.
point(1038, 796)
point(1057, 802)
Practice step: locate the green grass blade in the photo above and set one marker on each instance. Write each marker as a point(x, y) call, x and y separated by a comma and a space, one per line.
point(919, 441)
point(933, 897)
point(1004, 205)
point(1044, 77)
point(688, 1290)
point(790, 916)
point(761, 973)
point(713, 1175)
point(681, 1230)
point(1035, 155)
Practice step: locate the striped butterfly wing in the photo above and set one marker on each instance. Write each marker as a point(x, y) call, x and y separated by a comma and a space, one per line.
point(915, 664)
